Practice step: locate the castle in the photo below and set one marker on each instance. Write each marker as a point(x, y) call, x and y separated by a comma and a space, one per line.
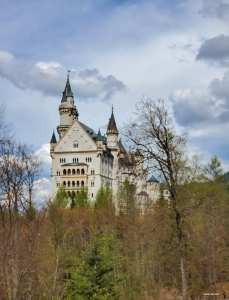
point(83, 158)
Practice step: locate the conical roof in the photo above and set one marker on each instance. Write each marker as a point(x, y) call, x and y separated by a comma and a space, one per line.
point(152, 179)
point(112, 123)
point(99, 136)
point(53, 139)
point(67, 91)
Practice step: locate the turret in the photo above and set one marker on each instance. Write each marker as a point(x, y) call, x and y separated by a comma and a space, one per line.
point(99, 140)
point(67, 109)
point(53, 142)
point(112, 133)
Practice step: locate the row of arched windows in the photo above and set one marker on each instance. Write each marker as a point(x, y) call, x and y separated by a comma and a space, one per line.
point(88, 159)
point(62, 160)
point(75, 160)
point(73, 183)
point(73, 172)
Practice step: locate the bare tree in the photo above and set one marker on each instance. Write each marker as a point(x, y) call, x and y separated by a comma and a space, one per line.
point(18, 171)
point(153, 134)
point(5, 128)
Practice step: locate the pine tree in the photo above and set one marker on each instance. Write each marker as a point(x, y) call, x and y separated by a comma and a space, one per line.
point(94, 279)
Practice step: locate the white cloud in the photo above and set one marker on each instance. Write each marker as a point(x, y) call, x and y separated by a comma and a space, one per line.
point(48, 77)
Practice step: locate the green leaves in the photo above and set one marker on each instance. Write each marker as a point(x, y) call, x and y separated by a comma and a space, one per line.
point(94, 278)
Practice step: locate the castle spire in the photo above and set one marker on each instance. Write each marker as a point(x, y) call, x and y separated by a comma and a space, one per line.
point(112, 124)
point(67, 91)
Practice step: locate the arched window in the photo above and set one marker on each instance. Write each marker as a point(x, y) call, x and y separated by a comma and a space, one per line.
point(64, 160)
point(73, 194)
point(78, 183)
point(75, 144)
point(78, 171)
point(82, 171)
point(64, 183)
point(86, 159)
point(77, 159)
point(69, 183)
point(69, 172)
point(73, 183)
point(73, 160)
point(60, 160)
point(82, 183)
point(90, 159)
point(64, 172)
point(92, 195)
point(73, 172)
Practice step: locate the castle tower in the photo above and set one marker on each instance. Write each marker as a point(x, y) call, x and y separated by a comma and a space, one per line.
point(67, 110)
point(112, 133)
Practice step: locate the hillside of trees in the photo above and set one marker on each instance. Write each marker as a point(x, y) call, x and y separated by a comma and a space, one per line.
point(75, 249)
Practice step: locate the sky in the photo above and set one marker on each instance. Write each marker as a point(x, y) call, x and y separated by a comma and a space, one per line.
point(118, 51)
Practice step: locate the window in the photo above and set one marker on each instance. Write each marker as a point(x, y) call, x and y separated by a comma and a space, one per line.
point(64, 183)
point(73, 183)
point(73, 172)
point(82, 171)
point(64, 172)
point(69, 183)
point(69, 172)
point(90, 159)
point(92, 195)
point(86, 159)
point(92, 172)
point(75, 144)
point(78, 171)
point(82, 183)
point(77, 159)
point(78, 183)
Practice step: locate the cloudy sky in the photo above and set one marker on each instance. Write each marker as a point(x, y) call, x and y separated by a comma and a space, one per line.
point(117, 51)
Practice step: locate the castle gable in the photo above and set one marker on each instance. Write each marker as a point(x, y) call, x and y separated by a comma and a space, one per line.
point(76, 139)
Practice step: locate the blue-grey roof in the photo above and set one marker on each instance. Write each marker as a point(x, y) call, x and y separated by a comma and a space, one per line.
point(67, 91)
point(152, 179)
point(53, 139)
point(99, 136)
point(121, 147)
point(112, 123)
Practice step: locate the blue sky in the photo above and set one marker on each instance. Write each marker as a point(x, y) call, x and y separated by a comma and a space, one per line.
point(117, 51)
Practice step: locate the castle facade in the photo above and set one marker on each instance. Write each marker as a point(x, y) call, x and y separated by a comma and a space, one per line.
point(83, 158)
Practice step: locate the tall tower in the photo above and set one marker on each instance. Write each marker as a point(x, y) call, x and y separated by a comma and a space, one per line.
point(112, 133)
point(67, 110)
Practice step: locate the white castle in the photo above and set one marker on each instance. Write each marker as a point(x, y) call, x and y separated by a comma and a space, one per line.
point(83, 158)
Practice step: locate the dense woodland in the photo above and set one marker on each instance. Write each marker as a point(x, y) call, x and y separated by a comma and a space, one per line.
point(74, 249)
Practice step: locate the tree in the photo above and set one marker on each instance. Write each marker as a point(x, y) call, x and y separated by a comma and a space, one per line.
point(127, 198)
point(153, 133)
point(81, 199)
point(94, 278)
point(5, 128)
point(61, 198)
point(104, 197)
point(19, 170)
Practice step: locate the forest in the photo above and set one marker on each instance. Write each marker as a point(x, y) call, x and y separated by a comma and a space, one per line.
point(76, 249)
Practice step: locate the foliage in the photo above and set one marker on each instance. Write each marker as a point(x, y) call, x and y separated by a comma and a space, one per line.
point(61, 199)
point(103, 197)
point(81, 199)
point(94, 278)
point(126, 198)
